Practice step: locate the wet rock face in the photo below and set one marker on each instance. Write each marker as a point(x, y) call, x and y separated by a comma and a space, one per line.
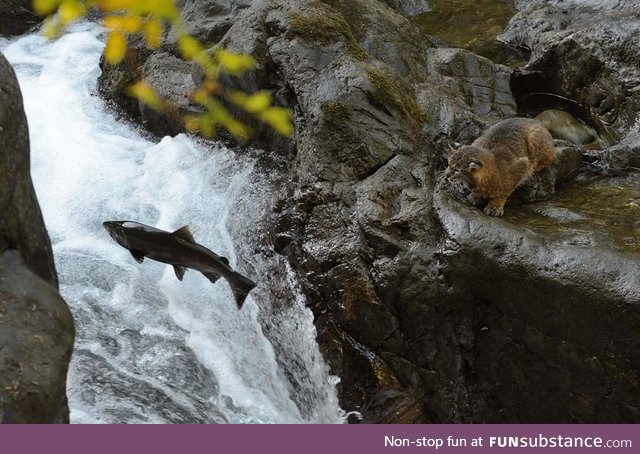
point(36, 333)
point(410, 8)
point(587, 51)
point(36, 328)
point(472, 25)
point(171, 78)
point(556, 300)
point(428, 310)
point(209, 21)
point(114, 81)
point(21, 220)
point(465, 94)
point(16, 17)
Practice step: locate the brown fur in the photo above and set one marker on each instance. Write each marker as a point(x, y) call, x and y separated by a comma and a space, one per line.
point(499, 161)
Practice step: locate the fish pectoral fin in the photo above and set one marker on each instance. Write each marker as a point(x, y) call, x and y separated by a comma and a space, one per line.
point(224, 260)
point(138, 255)
point(212, 276)
point(180, 270)
point(185, 234)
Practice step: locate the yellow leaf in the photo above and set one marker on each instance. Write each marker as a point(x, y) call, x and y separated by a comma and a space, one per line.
point(147, 95)
point(189, 47)
point(279, 119)
point(192, 124)
point(70, 10)
point(239, 130)
point(258, 102)
point(254, 103)
point(113, 5)
point(52, 28)
point(207, 128)
point(233, 63)
point(153, 32)
point(45, 7)
point(124, 24)
point(201, 97)
point(210, 85)
point(161, 8)
point(116, 48)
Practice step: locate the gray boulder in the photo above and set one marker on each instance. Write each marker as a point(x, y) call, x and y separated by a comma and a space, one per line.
point(21, 220)
point(17, 17)
point(36, 328)
point(410, 8)
point(36, 333)
point(587, 51)
point(171, 78)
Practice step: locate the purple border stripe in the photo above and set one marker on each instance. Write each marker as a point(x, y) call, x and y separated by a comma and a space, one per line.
point(307, 439)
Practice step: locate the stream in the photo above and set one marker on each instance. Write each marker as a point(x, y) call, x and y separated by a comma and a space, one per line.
point(149, 348)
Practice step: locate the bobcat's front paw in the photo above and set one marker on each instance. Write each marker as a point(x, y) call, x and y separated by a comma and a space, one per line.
point(493, 211)
point(495, 207)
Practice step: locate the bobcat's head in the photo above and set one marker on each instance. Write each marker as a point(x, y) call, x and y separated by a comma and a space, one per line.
point(465, 167)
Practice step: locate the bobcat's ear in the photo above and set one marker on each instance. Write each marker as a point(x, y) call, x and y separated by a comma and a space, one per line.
point(475, 164)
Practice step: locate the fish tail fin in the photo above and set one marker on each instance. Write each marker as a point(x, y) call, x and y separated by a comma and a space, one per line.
point(240, 286)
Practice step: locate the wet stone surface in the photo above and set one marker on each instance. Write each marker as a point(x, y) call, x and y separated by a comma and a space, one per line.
point(602, 210)
point(471, 25)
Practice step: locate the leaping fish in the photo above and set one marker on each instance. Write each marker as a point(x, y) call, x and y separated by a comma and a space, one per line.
point(180, 250)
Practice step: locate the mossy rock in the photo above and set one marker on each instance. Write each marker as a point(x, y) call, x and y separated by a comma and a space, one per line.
point(396, 95)
point(324, 27)
point(335, 112)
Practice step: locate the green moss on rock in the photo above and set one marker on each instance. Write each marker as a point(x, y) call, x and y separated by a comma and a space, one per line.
point(335, 113)
point(324, 27)
point(395, 94)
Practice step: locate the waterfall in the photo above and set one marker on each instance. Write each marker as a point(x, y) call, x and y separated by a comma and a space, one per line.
point(149, 348)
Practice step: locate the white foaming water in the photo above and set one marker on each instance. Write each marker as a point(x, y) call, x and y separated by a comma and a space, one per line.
point(151, 349)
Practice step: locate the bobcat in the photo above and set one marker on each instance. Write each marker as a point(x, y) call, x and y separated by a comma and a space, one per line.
point(500, 160)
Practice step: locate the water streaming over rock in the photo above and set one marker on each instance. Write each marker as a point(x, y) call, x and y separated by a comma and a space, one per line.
point(151, 349)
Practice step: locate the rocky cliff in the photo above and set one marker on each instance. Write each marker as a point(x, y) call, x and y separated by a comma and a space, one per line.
point(17, 17)
point(428, 310)
point(36, 328)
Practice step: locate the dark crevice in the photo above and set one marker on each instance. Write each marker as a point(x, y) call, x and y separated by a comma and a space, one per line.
point(376, 168)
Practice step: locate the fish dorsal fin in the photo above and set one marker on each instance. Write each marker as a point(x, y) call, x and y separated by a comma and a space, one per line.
point(179, 271)
point(185, 234)
point(138, 255)
point(224, 260)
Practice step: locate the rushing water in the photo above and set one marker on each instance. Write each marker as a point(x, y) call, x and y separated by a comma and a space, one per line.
point(150, 348)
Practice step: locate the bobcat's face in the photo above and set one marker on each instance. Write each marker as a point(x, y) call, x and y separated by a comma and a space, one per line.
point(465, 168)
